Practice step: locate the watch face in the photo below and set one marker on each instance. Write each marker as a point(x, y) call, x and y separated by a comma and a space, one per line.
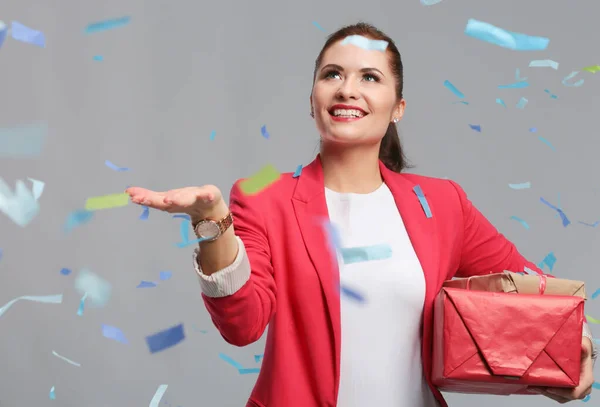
point(207, 229)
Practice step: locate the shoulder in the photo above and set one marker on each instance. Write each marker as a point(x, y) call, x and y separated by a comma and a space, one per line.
point(438, 187)
point(281, 188)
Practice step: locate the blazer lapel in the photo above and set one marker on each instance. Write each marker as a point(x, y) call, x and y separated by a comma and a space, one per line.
point(421, 229)
point(311, 211)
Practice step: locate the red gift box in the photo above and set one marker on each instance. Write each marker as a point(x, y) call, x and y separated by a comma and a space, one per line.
point(501, 343)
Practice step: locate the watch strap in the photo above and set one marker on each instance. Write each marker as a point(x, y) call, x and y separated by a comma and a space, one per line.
point(223, 224)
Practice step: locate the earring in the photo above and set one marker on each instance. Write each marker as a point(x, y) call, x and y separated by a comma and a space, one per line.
point(312, 114)
point(395, 120)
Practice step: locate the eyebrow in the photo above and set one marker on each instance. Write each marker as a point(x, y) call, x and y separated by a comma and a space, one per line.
point(339, 68)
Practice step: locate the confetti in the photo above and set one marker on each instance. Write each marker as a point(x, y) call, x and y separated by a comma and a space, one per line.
point(298, 171)
point(333, 236)
point(430, 2)
point(45, 299)
point(259, 181)
point(549, 261)
point(21, 206)
point(264, 132)
point(78, 217)
point(115, 167)
point(532, 129)
point(544, 63)
point(158, 395)
point(521, 221)
point(569, 77)
point(145, 213)
point(146, 284)
point(565, 220)
point(184, 231)
point(52, 395)
point(213, 134)
point(593, 321)
point(98, 58)
point(592, 69)
point(318, 26)
point(590, 224)
point(506, 39)
point(453, 89)
point(258, 358)
point(522, 103)
point(107, 25)
point(500, 102)
point(66, 359)
point(550, 93)
point(365, 43)
point(165, 275)
point(112, 332)
point(22, 33)
point(516, 85)
point(543, 140)
point(249, 370)
point(596, 385)
point(3, 31)
point(1, 254)
point(586, 398)
point(81, 304)
point(475, 127)
point(523, 185)
point(230, 361)
point(417, 190)
point(596, 293)
point(97, 289)
point(107, 201)
point(461, 102)
point(351, 294)
point(165, 339)
point(23, 141)
point(351, 255)
point(518, 76)
point(531, 272)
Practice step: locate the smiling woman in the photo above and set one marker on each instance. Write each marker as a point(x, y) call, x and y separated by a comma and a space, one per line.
point(380, 81)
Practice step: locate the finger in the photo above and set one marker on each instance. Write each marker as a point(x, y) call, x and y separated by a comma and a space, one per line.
point(569, 394)
point(151, 199)
point(187, 197)
point(555, 397)
point(133, 191)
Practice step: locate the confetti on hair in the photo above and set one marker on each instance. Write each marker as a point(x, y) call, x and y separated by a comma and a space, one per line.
point(544, 63)
point(453, 89)
point(107, 25)
point(494, 35)
point(521, 221)
point(365, 43)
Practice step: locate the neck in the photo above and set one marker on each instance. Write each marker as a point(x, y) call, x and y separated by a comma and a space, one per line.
point(351, 170)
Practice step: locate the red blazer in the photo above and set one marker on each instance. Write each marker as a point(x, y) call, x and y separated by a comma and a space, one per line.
point(293, 283)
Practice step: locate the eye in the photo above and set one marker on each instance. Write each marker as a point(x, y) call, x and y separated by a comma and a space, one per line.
point(371, 78)
point(331, 74)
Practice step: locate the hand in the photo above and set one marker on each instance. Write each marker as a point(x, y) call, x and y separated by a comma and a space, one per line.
point(198, 202)
point(564, 395)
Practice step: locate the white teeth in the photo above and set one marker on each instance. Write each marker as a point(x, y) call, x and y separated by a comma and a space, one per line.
point(348, 113)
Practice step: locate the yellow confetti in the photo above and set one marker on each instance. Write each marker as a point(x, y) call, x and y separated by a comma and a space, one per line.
point(592, 320)
point(592, 69)
point(259, 181)
point(106, 201)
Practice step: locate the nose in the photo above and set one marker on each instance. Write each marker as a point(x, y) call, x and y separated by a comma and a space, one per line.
point(348, 90)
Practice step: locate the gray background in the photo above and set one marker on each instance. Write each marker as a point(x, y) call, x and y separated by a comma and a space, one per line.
point(181, 69)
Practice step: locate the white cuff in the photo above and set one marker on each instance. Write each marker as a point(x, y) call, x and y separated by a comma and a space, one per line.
point(587, 332)
point(226, 281)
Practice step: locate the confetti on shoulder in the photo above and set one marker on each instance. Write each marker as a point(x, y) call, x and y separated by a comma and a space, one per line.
point(298, 171)
point(260, 180)
point(107, 25)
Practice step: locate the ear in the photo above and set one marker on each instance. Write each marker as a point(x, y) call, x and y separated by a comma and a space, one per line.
point(310, 101)
point(399, 109)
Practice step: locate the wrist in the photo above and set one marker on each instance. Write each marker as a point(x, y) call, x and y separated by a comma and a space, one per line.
point(216, 213)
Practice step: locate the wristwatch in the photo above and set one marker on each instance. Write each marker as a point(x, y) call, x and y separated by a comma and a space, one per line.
point(210, 230)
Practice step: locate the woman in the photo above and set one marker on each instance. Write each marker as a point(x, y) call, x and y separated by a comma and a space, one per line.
point(269, 262)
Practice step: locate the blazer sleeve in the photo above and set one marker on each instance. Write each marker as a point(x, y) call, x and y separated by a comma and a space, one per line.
point(484, 250)
point(242, 317)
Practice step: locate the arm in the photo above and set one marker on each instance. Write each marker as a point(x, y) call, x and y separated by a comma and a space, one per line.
point(240, 293)
point(485, 250)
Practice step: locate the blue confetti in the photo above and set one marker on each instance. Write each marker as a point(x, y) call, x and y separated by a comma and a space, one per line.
point(298, 171)
point(430, 2)
point(78, 217)
point(22, 33)
point(230, 361)
point(96, 288)
point(146, 212)
point(352, 255)
point(1, 254)
point(593, 225)
point(565, 220)
point(98, 58)
point(533, 129)
point(506, 39)
point(264, 132)
point(52, 394)
point(596, 293)
point(351, 294)
point(249, 370)
point(182, 216)
point(518, 76)
point(107, 25)
point(570, 76)
point(165, 275)
point(500, 102)
point(65, 271)
point(258, 358)
point(81, 305)
point(112, 332)
point(522, 103)
point(596, 385)
point(417, 189)
point(586, 398)
point(521, 221)
point(365, 43)
point(475, 127)
point(453, 89)
point(146, 284)
point(543, 140)
point(3, 32)
point(318, 26)
point(549, 261)
point(516, 85)
point(115, 167)
point(23, 141)
point(551, 94)
point(165, 339)
point(213, 134)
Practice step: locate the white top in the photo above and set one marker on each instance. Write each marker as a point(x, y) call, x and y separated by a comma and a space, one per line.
point(381, 341)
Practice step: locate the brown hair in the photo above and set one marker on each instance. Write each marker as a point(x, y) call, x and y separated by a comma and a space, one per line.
point(390, 151)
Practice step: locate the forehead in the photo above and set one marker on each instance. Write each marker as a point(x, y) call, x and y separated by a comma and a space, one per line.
point(351, 57)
